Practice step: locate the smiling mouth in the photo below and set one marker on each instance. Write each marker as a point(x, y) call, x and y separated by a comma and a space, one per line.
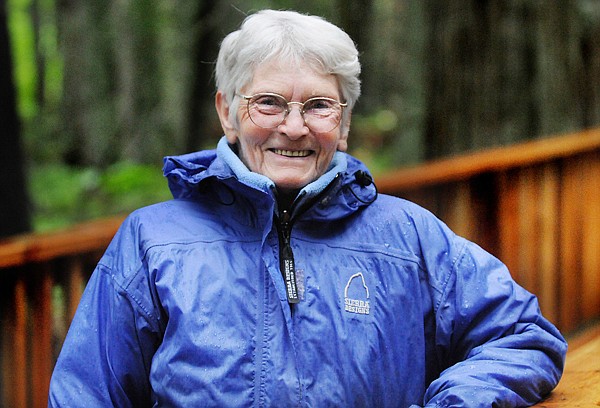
point(292, 153)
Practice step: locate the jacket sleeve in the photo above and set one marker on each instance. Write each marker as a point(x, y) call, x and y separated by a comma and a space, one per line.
point(105, 358)
point(496, 347)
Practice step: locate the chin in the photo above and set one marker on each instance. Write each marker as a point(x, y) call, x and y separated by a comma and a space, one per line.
point(292, 186)
point(292, 180)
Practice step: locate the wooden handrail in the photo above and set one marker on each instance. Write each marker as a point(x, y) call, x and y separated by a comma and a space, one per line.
point(496, 159)
point(80, 238)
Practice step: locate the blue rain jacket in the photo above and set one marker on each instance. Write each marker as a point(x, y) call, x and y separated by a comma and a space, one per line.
point(188, 306)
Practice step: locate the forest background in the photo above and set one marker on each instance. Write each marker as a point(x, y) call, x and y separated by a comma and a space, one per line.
point(94, 93)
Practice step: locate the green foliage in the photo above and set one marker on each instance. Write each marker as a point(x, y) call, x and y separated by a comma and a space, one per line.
point(23, 48)
point(370, 136)
point(49, 49)
point(128, 186)
point(29, 52)
point(63, 195)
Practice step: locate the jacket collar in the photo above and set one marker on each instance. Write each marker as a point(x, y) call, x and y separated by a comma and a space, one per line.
point(186, 172)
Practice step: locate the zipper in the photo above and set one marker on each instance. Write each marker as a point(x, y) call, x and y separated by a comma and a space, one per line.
point(284, 224)
point(287, 265)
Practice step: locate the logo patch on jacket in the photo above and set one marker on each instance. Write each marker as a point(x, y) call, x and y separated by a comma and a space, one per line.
point(356, 295)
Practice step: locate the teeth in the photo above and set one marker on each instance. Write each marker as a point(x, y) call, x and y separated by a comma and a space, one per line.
point(292, 153)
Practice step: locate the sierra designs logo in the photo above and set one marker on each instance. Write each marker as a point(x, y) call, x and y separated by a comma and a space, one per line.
point(356, 295)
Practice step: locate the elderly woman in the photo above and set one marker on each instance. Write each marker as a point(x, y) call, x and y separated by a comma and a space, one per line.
point(279, 277)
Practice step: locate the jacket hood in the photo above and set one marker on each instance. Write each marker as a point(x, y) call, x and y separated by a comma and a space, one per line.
point(347, 185)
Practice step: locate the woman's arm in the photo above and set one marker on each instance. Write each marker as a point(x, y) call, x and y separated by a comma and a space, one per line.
point(105, 358)
point(499, 349)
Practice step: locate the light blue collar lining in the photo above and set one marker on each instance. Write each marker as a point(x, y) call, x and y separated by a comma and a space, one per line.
point(240, 170)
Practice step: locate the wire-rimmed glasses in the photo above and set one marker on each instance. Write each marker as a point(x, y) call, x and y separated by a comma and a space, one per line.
point(269, 110)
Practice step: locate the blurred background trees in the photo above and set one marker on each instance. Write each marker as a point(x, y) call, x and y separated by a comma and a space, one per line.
point(106, 89)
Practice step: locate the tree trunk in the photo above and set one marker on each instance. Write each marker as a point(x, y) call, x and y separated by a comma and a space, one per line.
point(14, 216)
point(88, 108)
point(136, 54)
point(202, 123)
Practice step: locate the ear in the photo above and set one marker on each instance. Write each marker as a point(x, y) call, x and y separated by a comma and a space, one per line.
point(231, 132)
point(342, 145)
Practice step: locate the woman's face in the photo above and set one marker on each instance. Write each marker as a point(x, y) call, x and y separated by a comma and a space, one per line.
point(290, 154)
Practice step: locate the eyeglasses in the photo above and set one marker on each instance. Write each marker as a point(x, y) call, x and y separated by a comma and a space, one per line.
point(269, 110)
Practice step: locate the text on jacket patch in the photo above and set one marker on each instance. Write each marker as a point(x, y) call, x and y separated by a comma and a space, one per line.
point(359, 302)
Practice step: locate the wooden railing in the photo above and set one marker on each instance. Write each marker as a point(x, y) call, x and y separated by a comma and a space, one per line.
point(535, 205)
point(42, 278)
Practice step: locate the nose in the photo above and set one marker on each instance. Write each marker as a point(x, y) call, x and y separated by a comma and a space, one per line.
point(293, 125)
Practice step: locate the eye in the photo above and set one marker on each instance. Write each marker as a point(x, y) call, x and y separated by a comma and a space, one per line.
point(321, 107)
point(268, 104)
point(319, 104)
point(265, 100)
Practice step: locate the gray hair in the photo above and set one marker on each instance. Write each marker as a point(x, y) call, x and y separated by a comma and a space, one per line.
point(287, 36)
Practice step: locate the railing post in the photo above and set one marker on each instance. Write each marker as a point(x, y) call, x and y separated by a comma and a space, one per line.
point(17, 385)
point(41, 344)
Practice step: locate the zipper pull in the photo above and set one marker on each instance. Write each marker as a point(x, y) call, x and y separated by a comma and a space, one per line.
point(286, 259)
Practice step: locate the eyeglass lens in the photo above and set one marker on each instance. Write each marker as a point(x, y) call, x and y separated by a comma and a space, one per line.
point(270, 110)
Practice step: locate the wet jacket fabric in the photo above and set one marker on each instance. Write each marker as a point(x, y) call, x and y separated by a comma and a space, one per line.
point(188, 306)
